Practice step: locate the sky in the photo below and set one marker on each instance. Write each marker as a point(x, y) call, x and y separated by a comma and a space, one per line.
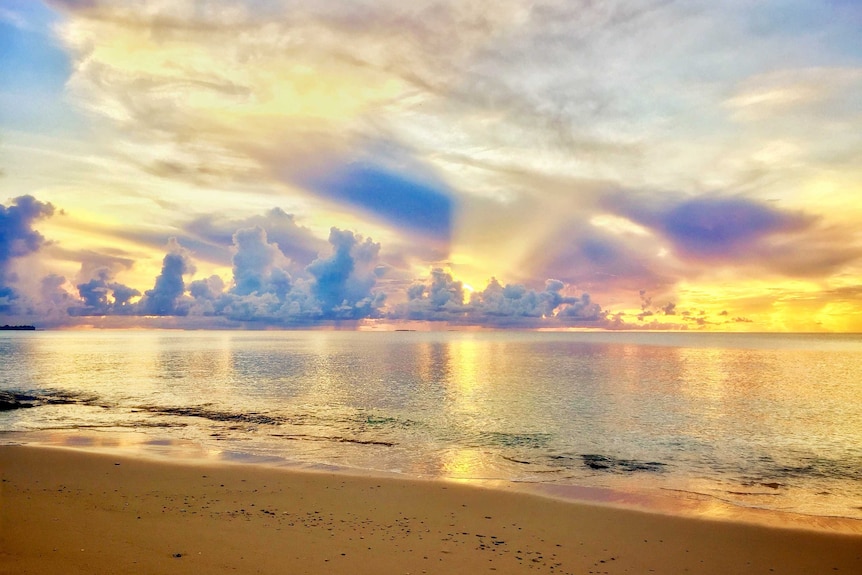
point(560, 164)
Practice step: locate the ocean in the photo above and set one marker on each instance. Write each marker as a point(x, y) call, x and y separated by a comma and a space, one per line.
point(769, 421)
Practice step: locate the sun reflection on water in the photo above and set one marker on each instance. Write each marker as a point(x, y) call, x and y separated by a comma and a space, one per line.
point(771, 424)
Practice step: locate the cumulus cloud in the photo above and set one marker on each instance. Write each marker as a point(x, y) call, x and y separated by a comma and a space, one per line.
point(258, 266)
point(339, 286)
point(343, 282)
point(102, 296)
point(439, 298)
point(442, 298)
point(506, 108)
point(211, 236)
point(166, 297)
point(18, 238)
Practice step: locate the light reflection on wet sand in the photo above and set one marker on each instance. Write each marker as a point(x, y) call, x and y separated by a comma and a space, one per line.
point(656, 500)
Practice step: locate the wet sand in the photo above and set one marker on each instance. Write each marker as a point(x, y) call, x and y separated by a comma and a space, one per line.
point(69, 511)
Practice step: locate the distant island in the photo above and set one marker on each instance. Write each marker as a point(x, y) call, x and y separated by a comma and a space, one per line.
point(17, 328)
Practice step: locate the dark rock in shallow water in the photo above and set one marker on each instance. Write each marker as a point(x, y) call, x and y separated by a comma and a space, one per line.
point(606, 463)
point(10, 405)
point(10, 401)
point(214, 415)
point(596, 461)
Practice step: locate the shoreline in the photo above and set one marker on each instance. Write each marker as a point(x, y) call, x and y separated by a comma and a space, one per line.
point(76, 511)
point(139, 445)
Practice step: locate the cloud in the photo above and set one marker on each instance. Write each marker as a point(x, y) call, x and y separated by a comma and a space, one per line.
point(99, 296)
point(211, 235)
point(518, 301)
point(166, 297)
point(344, 281)
point(442, 298)
point(597, 259)
point(723, 228)
point(335, 287)
point(18, 239)
point(258, 264)
point(439, 298)
point(731, 231)
point(421, 206)
point(338, 286)
point(94, 263)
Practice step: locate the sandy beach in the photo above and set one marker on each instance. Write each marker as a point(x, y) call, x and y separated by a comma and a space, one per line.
point(67, 511)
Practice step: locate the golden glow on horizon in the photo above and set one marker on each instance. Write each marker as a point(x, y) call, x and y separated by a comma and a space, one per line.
point(786, 306)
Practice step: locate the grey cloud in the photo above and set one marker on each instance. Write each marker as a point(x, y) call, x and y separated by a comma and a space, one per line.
point(343, 282)
point(54, 302)
point(337, 287)
point(594, 259)
point(207, 289)
point(720, 229)
point(206, 295)
point(256, 264)
point(723, 227)
point(582, 309)
point(213, 234)
point(18, 239)
point(166, 297)
point(101, 296)
point(441, 298)
point(517, 300)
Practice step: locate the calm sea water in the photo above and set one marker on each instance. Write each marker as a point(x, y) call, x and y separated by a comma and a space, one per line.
point(770, 421)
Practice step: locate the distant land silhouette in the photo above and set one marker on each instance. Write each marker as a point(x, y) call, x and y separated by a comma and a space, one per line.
point(17, 327)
